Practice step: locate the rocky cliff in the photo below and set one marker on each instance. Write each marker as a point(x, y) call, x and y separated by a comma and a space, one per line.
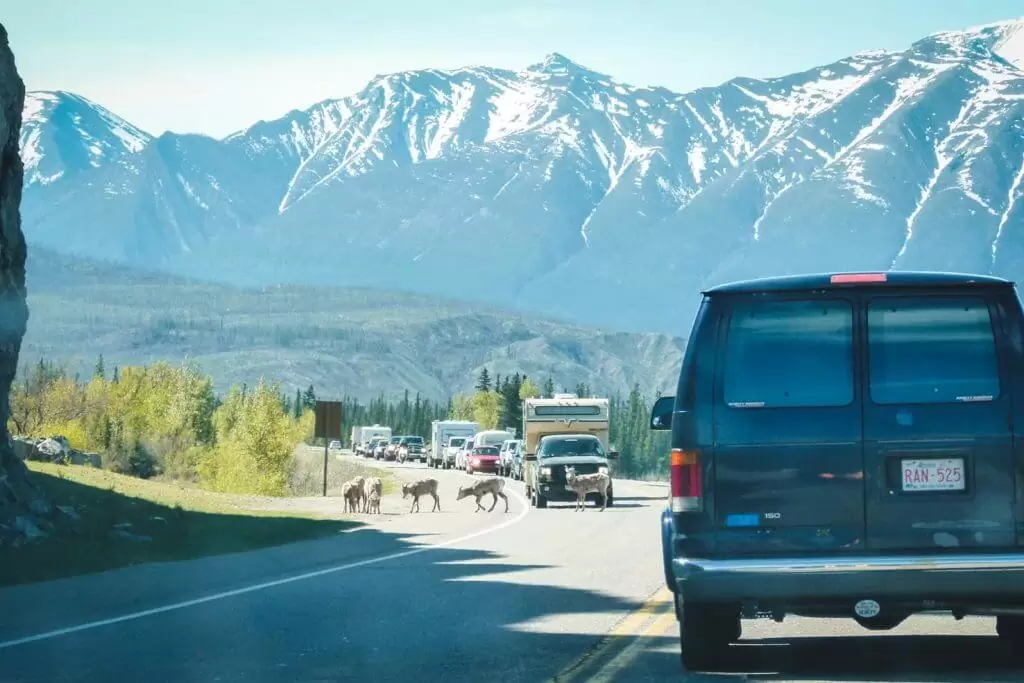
point(23, 510)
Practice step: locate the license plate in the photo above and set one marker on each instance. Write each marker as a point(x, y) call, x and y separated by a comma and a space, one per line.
point(933, 474)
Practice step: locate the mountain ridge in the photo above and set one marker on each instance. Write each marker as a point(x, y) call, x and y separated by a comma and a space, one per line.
point(560, 190)
point(356, 342)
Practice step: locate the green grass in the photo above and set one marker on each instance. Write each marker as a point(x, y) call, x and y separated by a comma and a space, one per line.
point(183, 522)
point(308, 477)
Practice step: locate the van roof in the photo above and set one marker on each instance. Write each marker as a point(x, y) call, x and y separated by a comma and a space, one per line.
point(848, 280)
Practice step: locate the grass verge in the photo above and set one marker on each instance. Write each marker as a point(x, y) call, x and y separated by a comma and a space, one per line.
point(127, 521)
point(307, 479)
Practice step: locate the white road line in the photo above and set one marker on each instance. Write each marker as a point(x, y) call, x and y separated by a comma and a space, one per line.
point(268, 584)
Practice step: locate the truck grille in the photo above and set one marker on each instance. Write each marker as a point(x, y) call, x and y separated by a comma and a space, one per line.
point(558, 472)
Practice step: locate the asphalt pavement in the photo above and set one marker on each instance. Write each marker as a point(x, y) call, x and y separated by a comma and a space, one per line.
point(527, 595)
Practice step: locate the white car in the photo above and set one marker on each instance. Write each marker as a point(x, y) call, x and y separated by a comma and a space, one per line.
point(335, 445)
point(452, 450)
point(460, 455)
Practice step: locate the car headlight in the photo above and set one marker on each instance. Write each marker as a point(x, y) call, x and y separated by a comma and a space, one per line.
point(602, 470)
point(545, 473)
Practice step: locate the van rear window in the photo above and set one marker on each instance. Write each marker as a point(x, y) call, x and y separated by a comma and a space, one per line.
point(789, 354)
point(931, 350)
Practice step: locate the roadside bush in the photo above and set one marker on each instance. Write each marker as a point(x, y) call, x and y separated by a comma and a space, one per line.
point(164, 420)
point(255, 441)
point(133, 460)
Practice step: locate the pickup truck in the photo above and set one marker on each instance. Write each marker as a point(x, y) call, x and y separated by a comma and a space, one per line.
point(556, 452)
point(412, 448)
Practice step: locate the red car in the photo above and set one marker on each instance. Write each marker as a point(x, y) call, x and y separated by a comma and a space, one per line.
point(482, 459)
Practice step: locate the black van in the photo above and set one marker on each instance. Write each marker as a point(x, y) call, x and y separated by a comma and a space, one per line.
point(847, 445)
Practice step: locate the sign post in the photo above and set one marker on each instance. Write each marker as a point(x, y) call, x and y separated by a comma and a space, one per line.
point(328, 426)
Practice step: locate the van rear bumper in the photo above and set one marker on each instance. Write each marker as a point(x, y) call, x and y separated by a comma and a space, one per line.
point(951, 577)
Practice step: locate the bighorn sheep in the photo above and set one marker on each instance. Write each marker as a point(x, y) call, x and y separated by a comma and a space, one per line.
point(373, 484)
point(351, 496)
point(491, 485)
point(373, 502)
point(357, 484)
point(421, 488)
point(583, 484)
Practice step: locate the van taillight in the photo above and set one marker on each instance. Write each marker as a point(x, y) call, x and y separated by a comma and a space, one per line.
point(687, 488)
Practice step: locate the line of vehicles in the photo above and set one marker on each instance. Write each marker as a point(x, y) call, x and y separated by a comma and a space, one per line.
point(557, 433)
point(378, 442)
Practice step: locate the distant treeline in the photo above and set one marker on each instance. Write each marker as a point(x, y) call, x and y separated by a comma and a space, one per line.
point(165, 420)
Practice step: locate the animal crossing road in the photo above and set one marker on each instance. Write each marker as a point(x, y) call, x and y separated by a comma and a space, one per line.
point(527, 595)
point(458, 596)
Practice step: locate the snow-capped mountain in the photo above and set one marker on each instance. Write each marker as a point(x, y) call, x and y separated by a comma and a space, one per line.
point(561, 190)
point(65, 134)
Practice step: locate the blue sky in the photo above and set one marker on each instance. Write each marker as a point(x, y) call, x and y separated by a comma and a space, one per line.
point(214, 66)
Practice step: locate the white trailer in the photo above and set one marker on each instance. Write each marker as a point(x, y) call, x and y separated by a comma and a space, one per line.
point(492, 437)
point(363, 434)
point(441, 431)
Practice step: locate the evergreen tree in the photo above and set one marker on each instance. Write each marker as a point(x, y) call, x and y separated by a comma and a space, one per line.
point(309, 398)
point(483, 382)
point(549, 388)
point(286, 404)
point(417, 416)
point(511, 403)
point(99, 372)
point(513, 393)
point(297, 407)
point(116, 377)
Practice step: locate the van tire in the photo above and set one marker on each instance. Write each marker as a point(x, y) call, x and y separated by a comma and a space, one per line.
point(705, 632)
point(541, 501)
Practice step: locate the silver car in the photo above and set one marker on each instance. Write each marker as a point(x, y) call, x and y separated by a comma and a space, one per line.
point(506, 457)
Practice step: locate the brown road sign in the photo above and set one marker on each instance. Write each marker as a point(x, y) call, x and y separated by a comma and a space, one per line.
point(328, 420)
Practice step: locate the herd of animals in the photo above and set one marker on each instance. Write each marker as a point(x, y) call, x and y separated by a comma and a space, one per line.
point(362, 494)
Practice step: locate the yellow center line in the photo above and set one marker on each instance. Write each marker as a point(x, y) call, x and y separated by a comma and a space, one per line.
point(658, 628)
point(628, 626)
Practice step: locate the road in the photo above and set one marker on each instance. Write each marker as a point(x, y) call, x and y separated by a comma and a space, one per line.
point(527, 595)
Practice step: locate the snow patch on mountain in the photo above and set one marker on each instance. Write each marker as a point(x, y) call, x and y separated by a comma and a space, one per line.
point(585, 193)
point(63, 132)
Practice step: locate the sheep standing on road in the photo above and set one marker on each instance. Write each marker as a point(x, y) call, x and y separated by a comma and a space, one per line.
point(583, 484)
point(372, 484)
point(373, 503)
point(421, 488)
point(351, 497)
point(357, 484)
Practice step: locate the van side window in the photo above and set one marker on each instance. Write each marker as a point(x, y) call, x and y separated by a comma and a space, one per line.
point(931, 350)
point(789, 354)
